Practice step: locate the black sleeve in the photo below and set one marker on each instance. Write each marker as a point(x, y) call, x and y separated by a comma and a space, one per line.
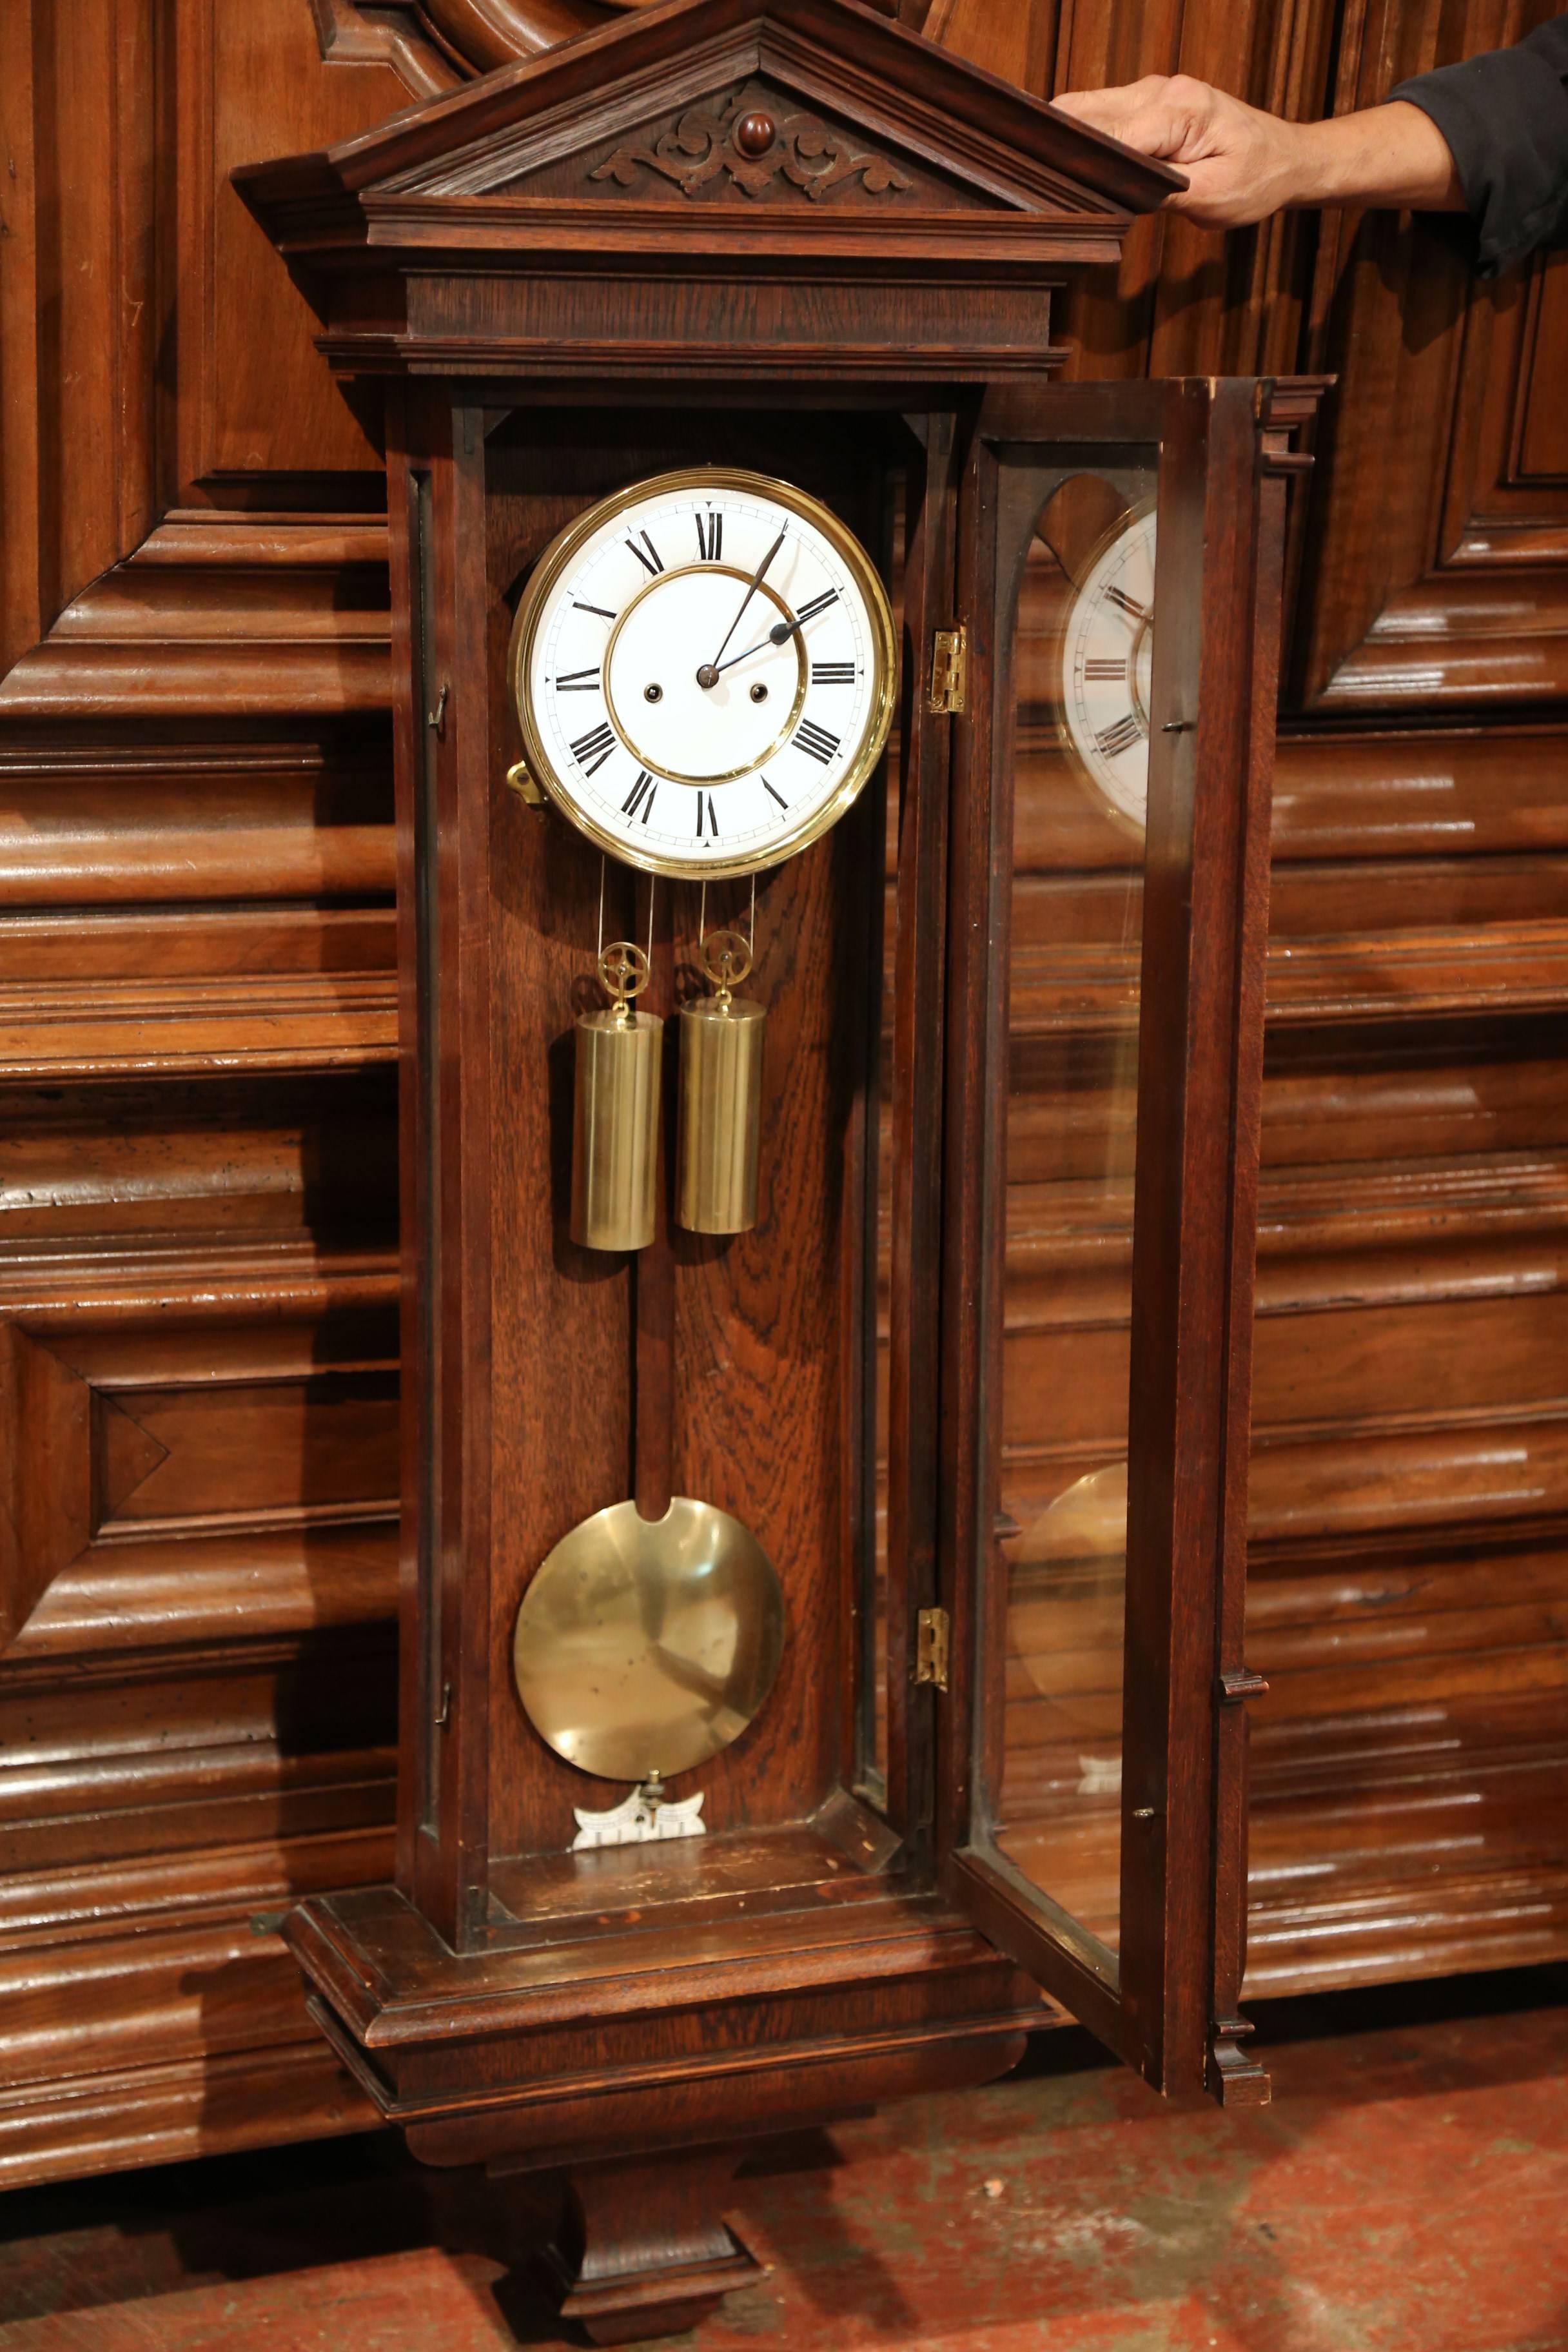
point(1505, 117)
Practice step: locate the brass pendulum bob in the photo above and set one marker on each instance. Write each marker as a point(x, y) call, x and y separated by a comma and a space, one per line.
point(614, 1135)
point(720, 1095)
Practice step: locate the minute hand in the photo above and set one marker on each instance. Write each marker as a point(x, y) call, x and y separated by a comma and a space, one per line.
point(710, 670)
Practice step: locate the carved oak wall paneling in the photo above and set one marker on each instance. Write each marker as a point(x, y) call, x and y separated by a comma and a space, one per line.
point(223, 619)
point(1410, 1561)
point(1017, 43)
point(250, 394)
point(1410, 606)
point(81, 324)
point(1187, 298)
point(197, 1283)
point(433, 44)
point(196, 1030)
point(359, 32)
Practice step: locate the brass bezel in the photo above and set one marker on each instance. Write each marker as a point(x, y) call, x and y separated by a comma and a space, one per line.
point(555, 560)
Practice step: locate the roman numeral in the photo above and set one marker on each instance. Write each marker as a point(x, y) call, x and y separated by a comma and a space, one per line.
point(652, 563)
point(1116, 669)
point(777, 795)
point(597, 609)
point(578, 682)
point(814, 742)
point(591, 751)
point(833, 673)
point(644, 786)
point(1128, 605)
point(710, 537)
point(1113, 741)
point(817, 604)
point(713, 832)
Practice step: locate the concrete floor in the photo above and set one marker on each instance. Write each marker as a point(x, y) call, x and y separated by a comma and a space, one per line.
point(1407, 2192)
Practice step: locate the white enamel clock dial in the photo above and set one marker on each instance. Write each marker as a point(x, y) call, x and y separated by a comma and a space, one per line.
point(1107, 649)
point(704, 670)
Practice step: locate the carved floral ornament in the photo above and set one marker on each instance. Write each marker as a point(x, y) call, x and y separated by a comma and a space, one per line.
point(744, 138)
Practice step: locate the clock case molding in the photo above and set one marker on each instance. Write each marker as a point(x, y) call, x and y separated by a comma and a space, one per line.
point(553, 311)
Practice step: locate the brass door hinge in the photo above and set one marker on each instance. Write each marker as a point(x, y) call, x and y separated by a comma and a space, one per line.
point(949, 670)
point(930, 1647)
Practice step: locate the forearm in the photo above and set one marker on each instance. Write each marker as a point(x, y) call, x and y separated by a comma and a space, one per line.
point(1392, 155)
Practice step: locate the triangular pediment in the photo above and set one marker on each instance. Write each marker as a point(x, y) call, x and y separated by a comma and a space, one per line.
point(727, 110)
point(751, 140)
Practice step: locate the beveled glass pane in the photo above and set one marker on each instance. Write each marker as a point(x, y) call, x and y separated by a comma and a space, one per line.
point(1080, 689)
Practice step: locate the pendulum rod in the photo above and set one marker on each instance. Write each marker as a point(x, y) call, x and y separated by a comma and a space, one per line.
point(653, 1268)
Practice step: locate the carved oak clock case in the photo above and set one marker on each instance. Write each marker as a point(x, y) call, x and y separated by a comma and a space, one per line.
point(780, 1733)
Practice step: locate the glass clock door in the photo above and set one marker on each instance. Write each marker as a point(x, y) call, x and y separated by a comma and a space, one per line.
point(1105, 1025)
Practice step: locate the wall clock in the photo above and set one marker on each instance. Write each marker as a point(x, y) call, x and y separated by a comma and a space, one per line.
point(719, 430)
point(704, 669)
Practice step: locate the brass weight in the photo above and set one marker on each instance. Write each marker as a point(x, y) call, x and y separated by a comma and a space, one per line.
point(614, 1137)
point(720, 1101)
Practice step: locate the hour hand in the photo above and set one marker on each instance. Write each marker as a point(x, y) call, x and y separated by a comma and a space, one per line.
point(783, 629)
point(781, 632)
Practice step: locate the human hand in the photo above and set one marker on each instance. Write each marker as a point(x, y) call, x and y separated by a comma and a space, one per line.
point(1241, 164)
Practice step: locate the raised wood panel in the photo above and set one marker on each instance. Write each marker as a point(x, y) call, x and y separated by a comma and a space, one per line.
point(1506, 495)
point(1435, 577)
point(1189, 298)
point(253, 398)
point(152, 340)
point(153, 2047)
point(45, 1416)
point(110, 1189)
point(220, 617)
point(144, 1422)
point(1536, 449)
point(264, 1585)
point(79, 317)
point(150, 823)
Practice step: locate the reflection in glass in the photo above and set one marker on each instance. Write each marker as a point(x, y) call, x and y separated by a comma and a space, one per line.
point(1081, 682)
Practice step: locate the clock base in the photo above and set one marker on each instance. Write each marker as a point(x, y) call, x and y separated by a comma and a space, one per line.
point(641, 2249)
point(628, 2069)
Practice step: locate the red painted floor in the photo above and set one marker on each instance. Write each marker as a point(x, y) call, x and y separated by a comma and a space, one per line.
point(1407, 2192)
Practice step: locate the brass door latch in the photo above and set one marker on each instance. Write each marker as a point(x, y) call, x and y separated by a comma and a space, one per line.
point(931, 1630)
point(949, 670)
